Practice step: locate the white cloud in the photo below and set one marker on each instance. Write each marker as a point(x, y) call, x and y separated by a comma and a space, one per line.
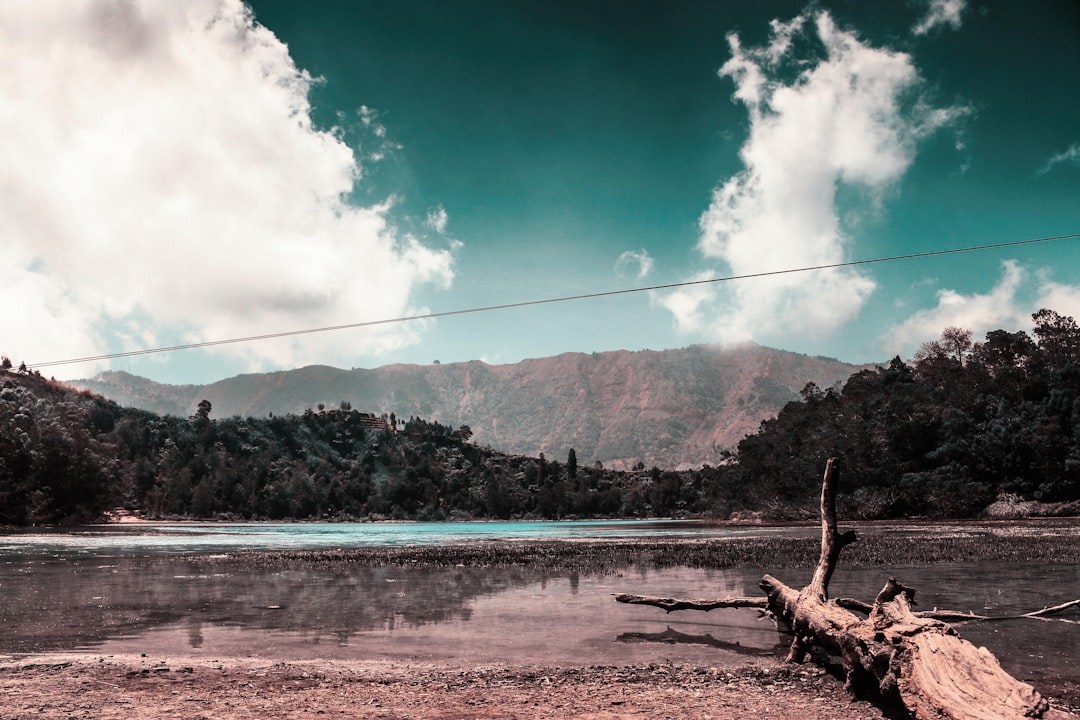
point(162, 179)
point(1069, 155)
point(634, 263)
point(689, 305)
point(940, 13)
point(980, 313)
point(849, 118)
point(374, 142)
point(437, 220)
point(1065, 299)
point(1008, 306)
point(369, 118)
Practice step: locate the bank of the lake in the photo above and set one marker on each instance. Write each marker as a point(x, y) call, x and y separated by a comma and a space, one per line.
point(135, 673)
point(880, 544)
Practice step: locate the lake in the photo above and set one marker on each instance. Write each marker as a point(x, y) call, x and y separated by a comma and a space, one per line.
point(191, 538)
point(160, 589)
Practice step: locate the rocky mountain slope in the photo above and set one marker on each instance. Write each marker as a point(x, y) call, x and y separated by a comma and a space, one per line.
point(672, 408)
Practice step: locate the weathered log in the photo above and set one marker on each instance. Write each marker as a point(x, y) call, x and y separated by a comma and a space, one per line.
point(893, 656)
point(898, 659)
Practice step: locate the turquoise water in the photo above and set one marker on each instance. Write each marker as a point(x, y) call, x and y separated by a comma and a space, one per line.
point(200, 538)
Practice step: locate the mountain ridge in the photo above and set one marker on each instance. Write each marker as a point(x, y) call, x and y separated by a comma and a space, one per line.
point(674, 409)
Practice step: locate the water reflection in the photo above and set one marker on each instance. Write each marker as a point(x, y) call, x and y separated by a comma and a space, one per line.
point(203, 606)
point(477, 614)
point(54, 605)
point(105, 601)
point(672, 636)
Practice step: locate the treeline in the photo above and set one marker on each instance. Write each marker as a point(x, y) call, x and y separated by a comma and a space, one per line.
point(67, 456)
point(963, 425)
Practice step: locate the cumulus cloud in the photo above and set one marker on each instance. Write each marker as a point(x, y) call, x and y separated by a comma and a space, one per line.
point(635, 264)
point(1061, 297)
point(1007, 305)
point(1070, 155)
point(851, 117)
point(997, 308)
point(941, 13)
point(163, 180)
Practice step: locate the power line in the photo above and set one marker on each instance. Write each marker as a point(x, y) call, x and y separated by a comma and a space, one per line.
point(548, 301)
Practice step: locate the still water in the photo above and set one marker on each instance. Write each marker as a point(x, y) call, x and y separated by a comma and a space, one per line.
point(146, 539)
point(161, 590)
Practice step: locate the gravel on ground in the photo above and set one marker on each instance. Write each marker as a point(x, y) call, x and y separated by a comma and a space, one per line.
point(153, 688)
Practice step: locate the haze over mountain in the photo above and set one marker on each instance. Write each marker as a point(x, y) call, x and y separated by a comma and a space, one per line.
point(671, 408)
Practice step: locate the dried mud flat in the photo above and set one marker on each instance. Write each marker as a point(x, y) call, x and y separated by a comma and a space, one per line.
point(88, 686)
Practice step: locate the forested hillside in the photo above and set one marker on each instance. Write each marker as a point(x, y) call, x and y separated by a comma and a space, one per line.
point(67, 456)
point(677, 408)
point(967, 423)
point(965, 426)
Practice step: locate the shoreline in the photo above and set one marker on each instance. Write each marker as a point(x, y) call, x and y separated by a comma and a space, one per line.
point(1059, 543)
point(230, 687)
point(126, 517)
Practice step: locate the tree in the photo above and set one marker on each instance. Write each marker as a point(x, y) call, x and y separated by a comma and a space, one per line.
point(571, 464)
point(1003, 350)
point(1059, 338)
point(200, 421)
point(937, 360)
point(957, 343)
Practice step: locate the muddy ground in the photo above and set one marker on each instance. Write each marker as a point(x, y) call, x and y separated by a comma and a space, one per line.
point(151, 688)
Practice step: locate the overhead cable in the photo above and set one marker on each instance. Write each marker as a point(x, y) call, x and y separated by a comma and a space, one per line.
point(548, 301)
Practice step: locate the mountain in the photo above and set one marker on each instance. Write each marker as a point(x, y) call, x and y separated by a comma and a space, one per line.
point(670, 408)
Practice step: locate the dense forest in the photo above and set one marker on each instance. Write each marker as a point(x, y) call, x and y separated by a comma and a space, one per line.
point(965, 425)
point(67, 456)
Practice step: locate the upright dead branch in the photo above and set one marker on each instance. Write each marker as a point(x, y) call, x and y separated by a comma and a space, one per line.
point(832, 541)
point(806, 611)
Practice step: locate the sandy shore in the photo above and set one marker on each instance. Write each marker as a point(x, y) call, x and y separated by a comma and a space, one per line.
point(90, 686)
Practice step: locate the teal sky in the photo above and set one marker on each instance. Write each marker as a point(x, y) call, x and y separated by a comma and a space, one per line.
point(517, 150)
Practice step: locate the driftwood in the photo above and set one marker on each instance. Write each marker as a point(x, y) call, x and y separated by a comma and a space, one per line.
point(957, 615)
point(900, 659)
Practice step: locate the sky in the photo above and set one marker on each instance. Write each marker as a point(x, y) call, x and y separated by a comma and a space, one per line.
point(182, 173)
